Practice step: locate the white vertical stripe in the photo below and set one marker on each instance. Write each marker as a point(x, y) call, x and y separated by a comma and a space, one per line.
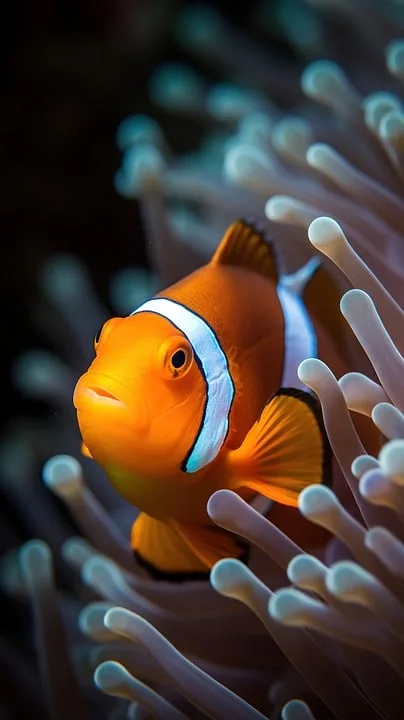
point(213, 362)
point(300, 337)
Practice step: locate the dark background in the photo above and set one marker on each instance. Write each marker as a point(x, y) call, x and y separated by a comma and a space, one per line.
point(71, 71)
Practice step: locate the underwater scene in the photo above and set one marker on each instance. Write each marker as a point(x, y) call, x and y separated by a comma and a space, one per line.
point(202, 449)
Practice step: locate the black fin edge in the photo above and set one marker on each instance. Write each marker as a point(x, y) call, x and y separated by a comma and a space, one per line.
point(315, 406)
point(261, 228)
point(180, 577)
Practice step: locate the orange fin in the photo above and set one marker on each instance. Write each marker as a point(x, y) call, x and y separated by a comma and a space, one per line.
point(248, 246)
point(285, 451)
point(85, 451)
point(172, 550)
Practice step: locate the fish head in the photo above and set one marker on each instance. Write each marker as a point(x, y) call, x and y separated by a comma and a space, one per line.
point(140, 403)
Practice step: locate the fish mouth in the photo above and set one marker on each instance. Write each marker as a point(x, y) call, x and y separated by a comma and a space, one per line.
point(101, 396)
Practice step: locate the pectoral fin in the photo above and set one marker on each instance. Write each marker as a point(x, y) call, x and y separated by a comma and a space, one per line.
point(285, 451)
point(173, 551)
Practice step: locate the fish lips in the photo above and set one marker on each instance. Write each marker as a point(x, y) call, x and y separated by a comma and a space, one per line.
point(97, 396)
point(96, 392)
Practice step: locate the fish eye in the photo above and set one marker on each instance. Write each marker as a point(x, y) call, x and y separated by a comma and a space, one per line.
point(177, 356)
point(179, 359)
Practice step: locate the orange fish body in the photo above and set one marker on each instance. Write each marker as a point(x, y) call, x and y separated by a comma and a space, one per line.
point(175, 403)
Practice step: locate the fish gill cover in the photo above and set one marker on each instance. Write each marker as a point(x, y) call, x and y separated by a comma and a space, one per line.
point(307, 636)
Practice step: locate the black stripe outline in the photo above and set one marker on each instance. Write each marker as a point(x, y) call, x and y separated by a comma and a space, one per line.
point(315, 406)
point(184, 576)
point(199, 363)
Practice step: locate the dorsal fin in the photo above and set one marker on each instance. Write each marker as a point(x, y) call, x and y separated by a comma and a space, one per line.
point(246, 245)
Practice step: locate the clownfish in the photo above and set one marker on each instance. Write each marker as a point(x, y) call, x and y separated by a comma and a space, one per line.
point(197, 390)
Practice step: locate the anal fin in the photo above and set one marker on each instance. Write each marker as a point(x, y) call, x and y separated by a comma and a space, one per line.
point(172, 550)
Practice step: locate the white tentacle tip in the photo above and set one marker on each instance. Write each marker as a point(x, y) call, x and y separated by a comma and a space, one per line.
point(310, 371)
point(63, 475)
point(228, 575)
point(325, 233)
point(345, 579)
point(391, 458)
point(110, 676)
point(296, 710)
point(316, 500)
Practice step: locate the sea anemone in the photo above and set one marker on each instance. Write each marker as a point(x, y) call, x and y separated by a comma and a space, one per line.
point(328, 181)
